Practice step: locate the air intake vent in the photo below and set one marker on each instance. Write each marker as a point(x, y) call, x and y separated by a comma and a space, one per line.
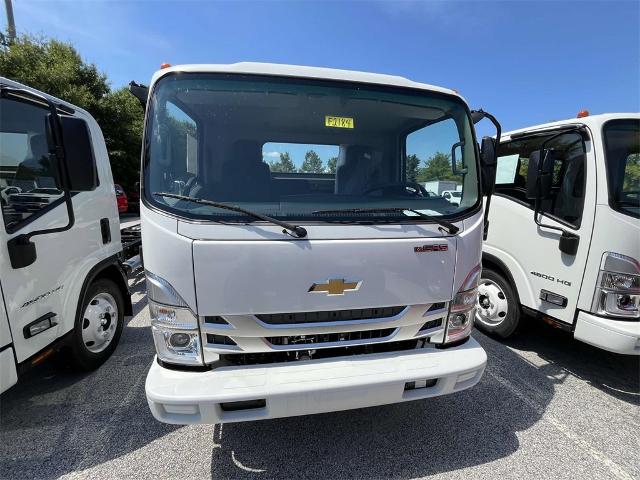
point(436, 306)
point(330, 337)
point(217, 320)
point(432, 324)
point(330, 316)
point(219, 340)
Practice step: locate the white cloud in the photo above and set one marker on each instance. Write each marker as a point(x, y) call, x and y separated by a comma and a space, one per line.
point(271, 154)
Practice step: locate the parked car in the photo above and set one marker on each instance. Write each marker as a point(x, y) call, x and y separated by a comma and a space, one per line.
point(452, 196)
point(6, 191)
point(33, 200)
point(134, 198)
point(121, 197)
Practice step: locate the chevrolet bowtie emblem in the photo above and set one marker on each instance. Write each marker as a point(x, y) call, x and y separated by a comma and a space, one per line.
point(335, 286)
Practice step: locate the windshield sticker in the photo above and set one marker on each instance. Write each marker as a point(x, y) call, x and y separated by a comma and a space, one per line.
point(338, 122)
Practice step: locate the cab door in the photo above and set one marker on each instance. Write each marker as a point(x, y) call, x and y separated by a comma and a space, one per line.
point(547, 279)
point(34, 295)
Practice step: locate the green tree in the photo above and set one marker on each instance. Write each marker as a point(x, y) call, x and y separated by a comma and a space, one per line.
point(412, 167)
point(632, 173)
point(312, 163)
point(437, 167)
point(332, 165)
point(56, 68)
point(284, 165)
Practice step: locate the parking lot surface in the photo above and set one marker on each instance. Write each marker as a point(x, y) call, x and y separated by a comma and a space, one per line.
point(547, 407)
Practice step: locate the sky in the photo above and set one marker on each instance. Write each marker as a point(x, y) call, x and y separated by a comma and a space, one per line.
point(525, 62)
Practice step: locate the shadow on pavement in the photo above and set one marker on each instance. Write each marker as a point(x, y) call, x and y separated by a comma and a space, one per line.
point(405, 440)
point(57, 421)
point(614, 374)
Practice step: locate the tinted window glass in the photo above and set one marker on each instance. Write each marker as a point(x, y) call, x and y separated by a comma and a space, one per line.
point(622, 144)
point(567, 191)
point(290, 148)
point(27, 178)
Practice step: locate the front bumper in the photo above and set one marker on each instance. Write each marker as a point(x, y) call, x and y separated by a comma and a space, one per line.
point(616, 336)
point(308, 387)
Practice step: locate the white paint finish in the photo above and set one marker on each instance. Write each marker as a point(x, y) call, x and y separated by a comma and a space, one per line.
point(613, 232)
point(8, 374)
point(310, 387)
point(614, 336)
point(298, 71)
point(167, 254)
point(235, 277)
point(65, 258)
point(469, 248)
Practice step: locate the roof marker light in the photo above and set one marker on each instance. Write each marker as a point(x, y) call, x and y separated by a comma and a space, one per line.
point(583, 113)
point(164, 65)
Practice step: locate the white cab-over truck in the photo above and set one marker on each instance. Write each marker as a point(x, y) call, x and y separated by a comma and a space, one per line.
point(564, 243)
point(62, 282)
point(280, 286)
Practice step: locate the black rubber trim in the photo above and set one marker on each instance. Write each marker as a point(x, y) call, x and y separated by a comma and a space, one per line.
point(183, 368)
point(95, 271)
point(8, 345)
point(502, 269)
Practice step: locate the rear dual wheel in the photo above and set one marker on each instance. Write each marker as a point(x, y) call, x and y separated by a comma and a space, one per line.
point(498, 310)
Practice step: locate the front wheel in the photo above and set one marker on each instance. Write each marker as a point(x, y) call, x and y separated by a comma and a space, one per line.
point(98, 326)
point(498, 311)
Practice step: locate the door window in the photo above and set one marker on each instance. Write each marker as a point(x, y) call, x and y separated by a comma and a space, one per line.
point(28, 182)
point(568, 186)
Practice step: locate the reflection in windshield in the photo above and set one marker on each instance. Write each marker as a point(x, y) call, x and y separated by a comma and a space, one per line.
point(287, 148)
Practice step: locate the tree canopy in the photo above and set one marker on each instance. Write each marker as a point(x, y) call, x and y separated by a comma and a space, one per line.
point(312, 163)
point(284, 165)
point(56, 68)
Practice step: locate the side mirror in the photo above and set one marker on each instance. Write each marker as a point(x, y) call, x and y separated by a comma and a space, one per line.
point(540, 174)
point(488, 159)
point(80, 163)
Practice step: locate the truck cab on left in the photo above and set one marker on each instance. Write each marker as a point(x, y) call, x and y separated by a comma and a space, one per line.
point(61, 280)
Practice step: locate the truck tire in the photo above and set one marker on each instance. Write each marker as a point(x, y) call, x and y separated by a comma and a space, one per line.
point(98, 325)
point(498, 309)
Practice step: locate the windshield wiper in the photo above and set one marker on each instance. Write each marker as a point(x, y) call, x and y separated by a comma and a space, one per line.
point(448, 225)
point(298, 231)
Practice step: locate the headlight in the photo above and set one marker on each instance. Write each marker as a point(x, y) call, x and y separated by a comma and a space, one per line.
point(618, 291)
point(175, 328)
point(463, 308)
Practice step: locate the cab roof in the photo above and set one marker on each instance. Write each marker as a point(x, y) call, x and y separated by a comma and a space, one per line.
point(591, 121)
point(297, 71)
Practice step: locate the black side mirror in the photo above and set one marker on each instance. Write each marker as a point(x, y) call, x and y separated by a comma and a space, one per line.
point(488, 159)
point(80, 163)
point(540, 174)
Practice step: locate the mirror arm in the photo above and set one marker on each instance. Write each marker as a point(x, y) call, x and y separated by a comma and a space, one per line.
point(24, 239)
point(476, 116)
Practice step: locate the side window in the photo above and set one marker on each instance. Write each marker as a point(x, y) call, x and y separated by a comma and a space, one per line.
point(27, 179)
point(568, 184)
point(430, 153)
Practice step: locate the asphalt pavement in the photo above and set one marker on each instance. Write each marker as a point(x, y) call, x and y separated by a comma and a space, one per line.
point(547, 407)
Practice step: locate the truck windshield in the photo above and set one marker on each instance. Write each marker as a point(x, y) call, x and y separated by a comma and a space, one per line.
point(291, 148)
point(622, 145)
